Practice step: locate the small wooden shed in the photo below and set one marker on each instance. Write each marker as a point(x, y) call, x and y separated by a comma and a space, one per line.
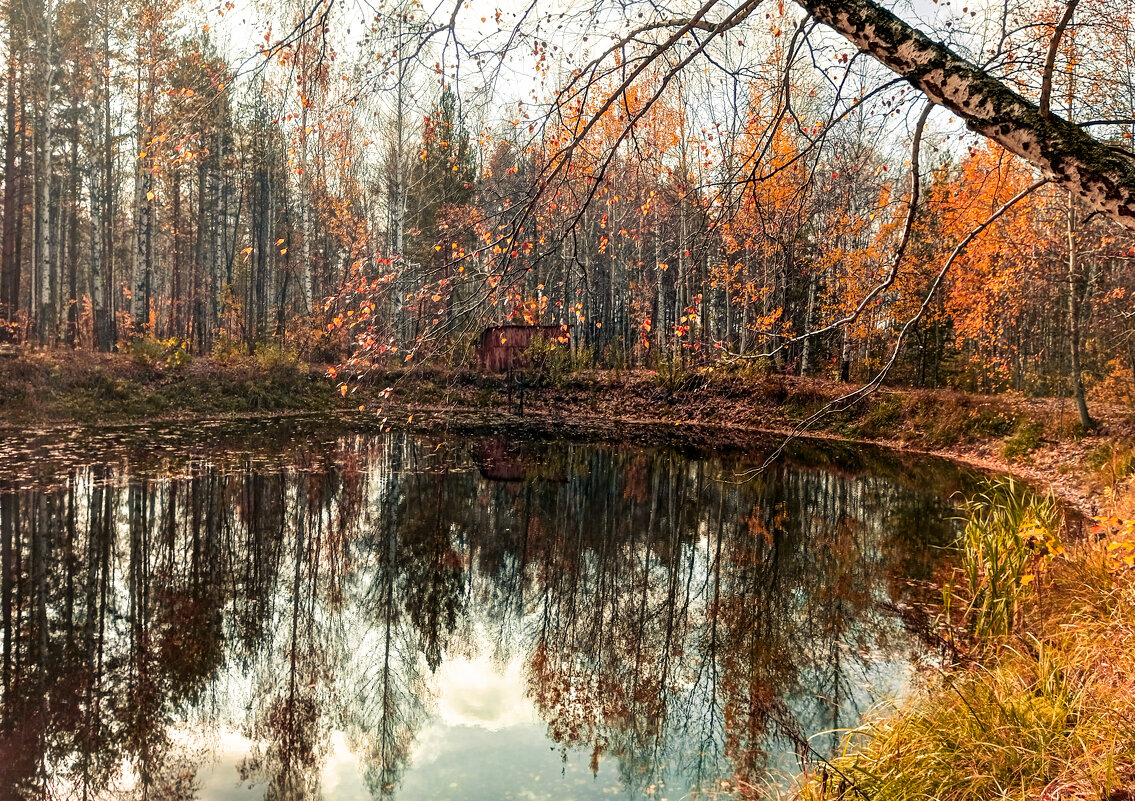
point(501, 348)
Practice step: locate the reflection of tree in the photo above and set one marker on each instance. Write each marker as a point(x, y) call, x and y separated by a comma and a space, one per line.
point(681, 625)
point(289, 722)
point(388, 717)
point(432, 569)
point(763, 630)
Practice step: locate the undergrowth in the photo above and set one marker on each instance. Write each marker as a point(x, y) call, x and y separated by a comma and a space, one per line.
point(1025, 439)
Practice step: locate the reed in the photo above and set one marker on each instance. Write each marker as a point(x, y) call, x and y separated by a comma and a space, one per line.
point(1009, 534)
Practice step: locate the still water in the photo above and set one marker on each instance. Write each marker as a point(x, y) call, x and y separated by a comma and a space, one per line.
point(435, 617)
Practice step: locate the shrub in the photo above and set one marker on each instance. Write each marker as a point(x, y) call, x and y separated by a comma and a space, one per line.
point(169, 353)
point(750, 369)
point(276, 358)
point(585, 358)
point(549, 362)
point(227, 350)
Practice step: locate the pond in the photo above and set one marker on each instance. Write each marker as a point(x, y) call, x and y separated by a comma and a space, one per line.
point(428, 616)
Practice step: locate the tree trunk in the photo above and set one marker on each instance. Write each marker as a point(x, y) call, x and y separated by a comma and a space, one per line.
point(809, 316)
point(177, 288)
point(106, 325)
point(73, 305)
point(9, 265)
point(1074, 319)
point(845, 355)
point(98, 276)
point(143, 207)
point(43, 256)
point(45, 268)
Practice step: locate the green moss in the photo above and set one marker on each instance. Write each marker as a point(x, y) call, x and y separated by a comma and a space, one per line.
point(486, 397)
point(1112, 462)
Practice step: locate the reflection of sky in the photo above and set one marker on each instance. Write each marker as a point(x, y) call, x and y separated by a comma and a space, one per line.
point(485, 742)
point(219, 780)
point(518, 761)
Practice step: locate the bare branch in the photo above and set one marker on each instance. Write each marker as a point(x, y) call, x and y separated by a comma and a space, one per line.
point(1050, 59)
point(1102, 177)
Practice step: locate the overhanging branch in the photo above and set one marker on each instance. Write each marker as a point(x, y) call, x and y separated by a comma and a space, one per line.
point(1102, 177)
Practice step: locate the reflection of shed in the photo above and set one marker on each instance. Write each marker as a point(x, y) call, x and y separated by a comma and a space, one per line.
point(501, 347)
point(498, 460)
point(503, 459)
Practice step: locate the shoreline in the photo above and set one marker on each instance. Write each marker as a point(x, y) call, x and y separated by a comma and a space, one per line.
point(48, 391)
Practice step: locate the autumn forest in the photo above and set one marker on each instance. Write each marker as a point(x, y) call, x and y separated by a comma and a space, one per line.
point(365, 184)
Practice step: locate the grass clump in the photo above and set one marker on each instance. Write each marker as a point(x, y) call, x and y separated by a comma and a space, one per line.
point(1052, 716)
point(1009, 534)
point(486, 398)
point(946, 420)
point(673, 376)
point(1024, 440)
point(1036, 725)
point(882, 419)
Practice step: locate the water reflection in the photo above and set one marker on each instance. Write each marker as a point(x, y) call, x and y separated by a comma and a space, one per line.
point(406, 617)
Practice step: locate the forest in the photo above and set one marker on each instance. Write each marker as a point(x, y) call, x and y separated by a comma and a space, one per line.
point(367, 185)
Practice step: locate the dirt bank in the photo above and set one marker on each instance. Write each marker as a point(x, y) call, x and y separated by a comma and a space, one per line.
point(1035, 439)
